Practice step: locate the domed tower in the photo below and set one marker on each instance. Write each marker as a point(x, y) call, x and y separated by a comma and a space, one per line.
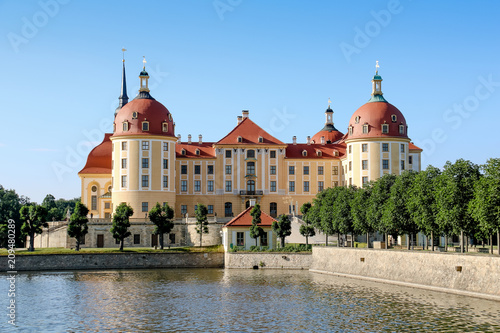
point(328, 134)
point(377, 140)
point(143, 153)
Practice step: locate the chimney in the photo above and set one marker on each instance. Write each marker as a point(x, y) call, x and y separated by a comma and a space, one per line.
point(179, 138)
point(200, 139)
point(322, 140)
point(308, 140)
point(240, 118)
point(294, 139)
point(245, 113)
point(189, 139)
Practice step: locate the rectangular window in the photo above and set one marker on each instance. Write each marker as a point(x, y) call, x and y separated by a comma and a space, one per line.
point(145, 126)
point(107, 205)
point(364, 147)
point(228, 153)
point(171, 238)
point(335, 170)
point(401, 129)
point(240, 239)
point(364, 164)
point(365, 180)
point(137, 239)
point(385, 128)
point(410, 159)
point(184, 169)
point(165, 163)
point(210, 186)
point(335, 184)
point(402, 148)
point(350, 181)
point(385, 164)
point(350, 165)
point(263, 239)
point(320, 170)
point(402, 165)
point(184, 185)
point(273, 186)
point(145, 145)
point(210, 169)
point(273, 170)
point(165, 181)
point(94, 202)
point(385, 147)
point(124, 145)
point(145, 207)
point(306, 170)
point(306, 186)
point(195, 208)
point(291, 186)
point(365, 129)
point(165, 146)
point(197, 185)
point(197, 169)
point(273, 154)
point(229, 186)
point(145, 163)
point(184, 209)
point(210, 209)
point(291, 170)
point(251, 153)
point(228, 169)
point(321, 186)
point(145, 180)
point(350, 149)
point(124, 163)
point(124, 181)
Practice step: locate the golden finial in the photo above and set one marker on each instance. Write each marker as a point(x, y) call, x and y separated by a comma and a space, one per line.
point(144, 62)
point(123, 50)
point(377, 67)
point(329, 102)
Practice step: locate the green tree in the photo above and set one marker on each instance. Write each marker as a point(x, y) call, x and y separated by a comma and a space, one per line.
point(121, 223)
point(162, 216)
point(326, 213)
point(380, 193)
point(307, 230)
point(255, 230)
point(34, 217)
point(10, 205)
point(77, 227)
point(421, 202)
point(341, 211)
point(282, 228)
point(396, 217)
point(359, 203)
point(201, 220)
point(485, 205)
point(454, 192)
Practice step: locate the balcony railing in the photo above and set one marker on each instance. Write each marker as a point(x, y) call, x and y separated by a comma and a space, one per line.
point(245, 192)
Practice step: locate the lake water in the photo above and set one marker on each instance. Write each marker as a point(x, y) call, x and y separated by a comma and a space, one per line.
point(224, 300)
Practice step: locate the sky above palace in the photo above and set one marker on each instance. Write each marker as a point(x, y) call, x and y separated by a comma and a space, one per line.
point(210, 59)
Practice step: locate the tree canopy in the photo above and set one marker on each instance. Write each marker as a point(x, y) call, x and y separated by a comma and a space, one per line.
point(282, 228)
point(162, 216)
point(77, 227)
point(201, 221)
point(121, 223)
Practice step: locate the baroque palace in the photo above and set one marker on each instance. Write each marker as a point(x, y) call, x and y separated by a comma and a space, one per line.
point(143, 162)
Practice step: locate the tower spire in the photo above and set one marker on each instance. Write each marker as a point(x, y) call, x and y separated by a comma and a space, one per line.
point(123, 99)
point(377, 95)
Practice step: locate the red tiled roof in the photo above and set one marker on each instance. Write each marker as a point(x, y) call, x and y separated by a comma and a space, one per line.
point(99, 159)
point(250, 133)
point(206, 150)
point(331, 136)
point(327, 150)
point(244, 219)
point(413, 147)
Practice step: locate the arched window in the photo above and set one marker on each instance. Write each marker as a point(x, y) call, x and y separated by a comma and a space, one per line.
point(251, 186)
point(228, 209)
point(273, 209)
point(304, 153)
point(250, 168)
point(394, 118)
point(240, 139)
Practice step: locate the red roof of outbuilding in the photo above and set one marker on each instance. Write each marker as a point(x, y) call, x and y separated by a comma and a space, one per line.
point(206, 150)
point(99, 159)
point(413, 147)
point(327, 150)
point(244, 219)
point(249, 133)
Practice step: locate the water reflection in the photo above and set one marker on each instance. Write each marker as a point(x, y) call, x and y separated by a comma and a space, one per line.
point(216, 300)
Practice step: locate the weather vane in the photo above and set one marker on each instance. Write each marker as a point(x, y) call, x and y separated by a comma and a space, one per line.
point(144, 61)
point(329, 102)
point(377, 66)
point(123, 50)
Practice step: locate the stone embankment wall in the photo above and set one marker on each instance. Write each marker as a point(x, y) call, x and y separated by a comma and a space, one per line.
point(268, 260)
point(473, 275)
point(114, 261)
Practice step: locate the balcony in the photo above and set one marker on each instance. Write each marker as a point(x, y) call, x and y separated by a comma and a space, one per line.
point(245, 192)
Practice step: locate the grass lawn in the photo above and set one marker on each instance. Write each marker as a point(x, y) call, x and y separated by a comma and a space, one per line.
point(61, 250)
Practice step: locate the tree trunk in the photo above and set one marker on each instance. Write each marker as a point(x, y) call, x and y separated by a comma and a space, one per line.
point(201, 237)
point(307, 241)
point(461, 241)
point(77, 244)
point(368, 240)
point(386, 241)
point(467, 241)
point(491, 243)
point(352, 239)
point(432, 241)
point(445, 243)
point(326, 240)
point(338, 239)
point(161, 241)
point(283, 241)
point(121, 245)
point(32, 242)
point(498, 241)
point(408, 241)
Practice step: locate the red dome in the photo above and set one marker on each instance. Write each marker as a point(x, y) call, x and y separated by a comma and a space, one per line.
point(144, 110)
point(99, 159)
point(375, 114)
point(330, 136)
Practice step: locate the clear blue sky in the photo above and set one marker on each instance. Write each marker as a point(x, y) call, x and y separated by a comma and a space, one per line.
point(208, 60)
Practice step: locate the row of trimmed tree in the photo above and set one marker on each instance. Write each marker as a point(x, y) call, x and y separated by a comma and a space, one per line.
point(463, 199)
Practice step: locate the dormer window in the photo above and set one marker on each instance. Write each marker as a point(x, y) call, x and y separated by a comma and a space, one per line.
point(350, 130)
point(261, 139)
point(319, 153)
point(401, 129)
point(365, 129)
point(240, 139)
point(394, 118)
point(335, 152)
point(170, 117)
point(134, 115)
point(125, 126)
point(304, 153)
point(183, 152)
point(385, 128)
point(197, 152)
point(145, 126)
point(114, 128)
point(356, 120)
point(164, 127)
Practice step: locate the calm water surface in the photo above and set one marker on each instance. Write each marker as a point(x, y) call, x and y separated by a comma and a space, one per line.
point(218, 300)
